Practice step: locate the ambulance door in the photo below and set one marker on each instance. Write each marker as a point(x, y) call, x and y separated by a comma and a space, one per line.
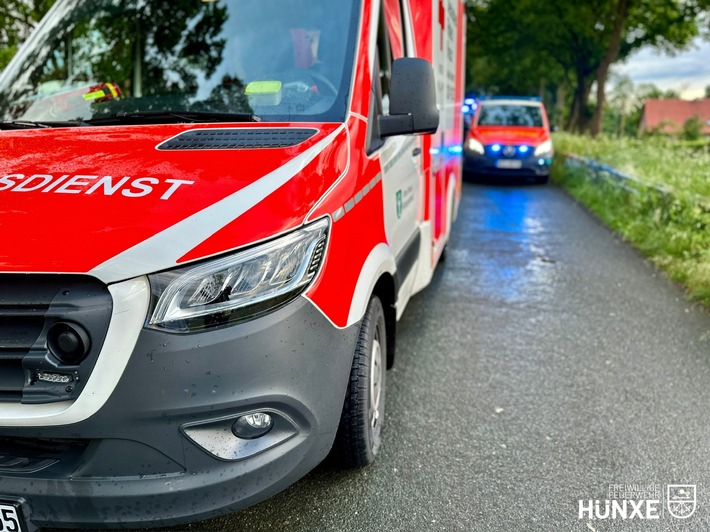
point(400, 158)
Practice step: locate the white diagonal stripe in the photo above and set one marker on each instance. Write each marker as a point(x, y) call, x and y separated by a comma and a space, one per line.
point(163, 250)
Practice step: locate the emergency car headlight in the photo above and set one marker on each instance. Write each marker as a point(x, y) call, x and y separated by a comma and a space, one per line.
point(240, 286)
point(544, 148)
point(474, 145)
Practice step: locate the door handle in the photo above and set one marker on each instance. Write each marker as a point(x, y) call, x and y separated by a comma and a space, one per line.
point(416, 152)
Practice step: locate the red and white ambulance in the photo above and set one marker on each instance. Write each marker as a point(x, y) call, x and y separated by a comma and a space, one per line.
point(213, 214)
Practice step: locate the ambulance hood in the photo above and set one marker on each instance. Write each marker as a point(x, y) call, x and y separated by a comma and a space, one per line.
point(117, 202)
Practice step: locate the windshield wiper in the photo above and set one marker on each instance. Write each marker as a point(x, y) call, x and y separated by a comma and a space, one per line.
point(32, 124)
point(170, 117)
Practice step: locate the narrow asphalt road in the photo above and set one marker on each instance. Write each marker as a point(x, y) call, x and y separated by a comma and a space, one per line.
point(546, 362)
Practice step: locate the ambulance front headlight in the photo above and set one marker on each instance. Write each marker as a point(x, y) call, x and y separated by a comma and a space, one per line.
point(239, 286)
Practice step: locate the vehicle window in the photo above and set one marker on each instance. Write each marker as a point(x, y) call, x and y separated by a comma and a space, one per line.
point(384, 52)
point(510, 115)
point(279, 59)
point(380, 95)
point(395, 31)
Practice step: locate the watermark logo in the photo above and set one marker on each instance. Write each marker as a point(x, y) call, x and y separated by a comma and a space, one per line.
point(681, 500)
point(642, 502)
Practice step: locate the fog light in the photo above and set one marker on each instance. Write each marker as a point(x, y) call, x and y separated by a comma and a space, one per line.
point(68, 342)
point(252, 426)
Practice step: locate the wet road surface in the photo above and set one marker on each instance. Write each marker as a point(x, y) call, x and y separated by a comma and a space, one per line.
point(546, 361)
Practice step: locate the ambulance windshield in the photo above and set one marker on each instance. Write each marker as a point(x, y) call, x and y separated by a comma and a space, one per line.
point(280, 60)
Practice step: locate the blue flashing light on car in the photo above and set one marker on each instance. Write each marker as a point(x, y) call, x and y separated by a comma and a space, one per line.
point(524, 149)
point(496, 148)
point(456, 150)
point(469, 106)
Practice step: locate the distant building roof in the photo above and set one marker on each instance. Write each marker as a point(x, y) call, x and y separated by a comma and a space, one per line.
point(668, 115)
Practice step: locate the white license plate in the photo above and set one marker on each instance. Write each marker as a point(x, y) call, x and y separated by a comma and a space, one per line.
point(10, 520)
point(509, 164)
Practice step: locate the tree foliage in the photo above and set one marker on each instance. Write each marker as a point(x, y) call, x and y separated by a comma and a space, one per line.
point(625, 105)
point(17, 19)
point(154, 50)
point(573, 44)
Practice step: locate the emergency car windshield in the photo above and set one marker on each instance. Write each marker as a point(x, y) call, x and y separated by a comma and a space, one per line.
point(510, 115)
point(285, 60)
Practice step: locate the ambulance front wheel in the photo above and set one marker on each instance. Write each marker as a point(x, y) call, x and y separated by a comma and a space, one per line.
point(360, 432)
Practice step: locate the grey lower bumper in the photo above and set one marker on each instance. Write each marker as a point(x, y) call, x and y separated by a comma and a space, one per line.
point(477, 164)
point(134, 464)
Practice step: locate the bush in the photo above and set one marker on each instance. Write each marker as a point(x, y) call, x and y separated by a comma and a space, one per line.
point(693, 128)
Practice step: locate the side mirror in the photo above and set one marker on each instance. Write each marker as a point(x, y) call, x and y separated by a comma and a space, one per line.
point(412, 99)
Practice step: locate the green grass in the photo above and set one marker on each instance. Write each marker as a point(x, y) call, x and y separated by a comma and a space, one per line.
point(683, 167)
point(673, 229)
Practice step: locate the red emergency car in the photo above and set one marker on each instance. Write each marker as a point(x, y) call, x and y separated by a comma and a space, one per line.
point(509, 137)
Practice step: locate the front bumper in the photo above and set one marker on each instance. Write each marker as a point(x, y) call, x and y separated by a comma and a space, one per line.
point(498, 165)
point(142, 459)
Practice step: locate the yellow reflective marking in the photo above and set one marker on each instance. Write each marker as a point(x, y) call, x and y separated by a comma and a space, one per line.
point(263, 87)
point(94, 95)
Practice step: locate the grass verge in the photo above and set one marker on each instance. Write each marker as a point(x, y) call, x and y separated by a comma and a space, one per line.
point(672, 230)
point(681, 166)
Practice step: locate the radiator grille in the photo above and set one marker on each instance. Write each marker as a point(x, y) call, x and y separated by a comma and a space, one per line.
point(25, 455)
point(29, 306)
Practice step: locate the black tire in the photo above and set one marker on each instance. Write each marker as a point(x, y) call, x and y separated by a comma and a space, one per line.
point(360, 431)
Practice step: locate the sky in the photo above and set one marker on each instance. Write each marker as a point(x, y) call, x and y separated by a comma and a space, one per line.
point(687, 72)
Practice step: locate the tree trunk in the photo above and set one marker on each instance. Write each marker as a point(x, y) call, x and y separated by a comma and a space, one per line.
point(560, 97)
point(578, 118)
point(621, 15)
point(574, 111)
point(622, 123)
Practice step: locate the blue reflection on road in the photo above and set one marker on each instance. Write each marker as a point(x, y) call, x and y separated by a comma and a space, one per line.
point(506, 240)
